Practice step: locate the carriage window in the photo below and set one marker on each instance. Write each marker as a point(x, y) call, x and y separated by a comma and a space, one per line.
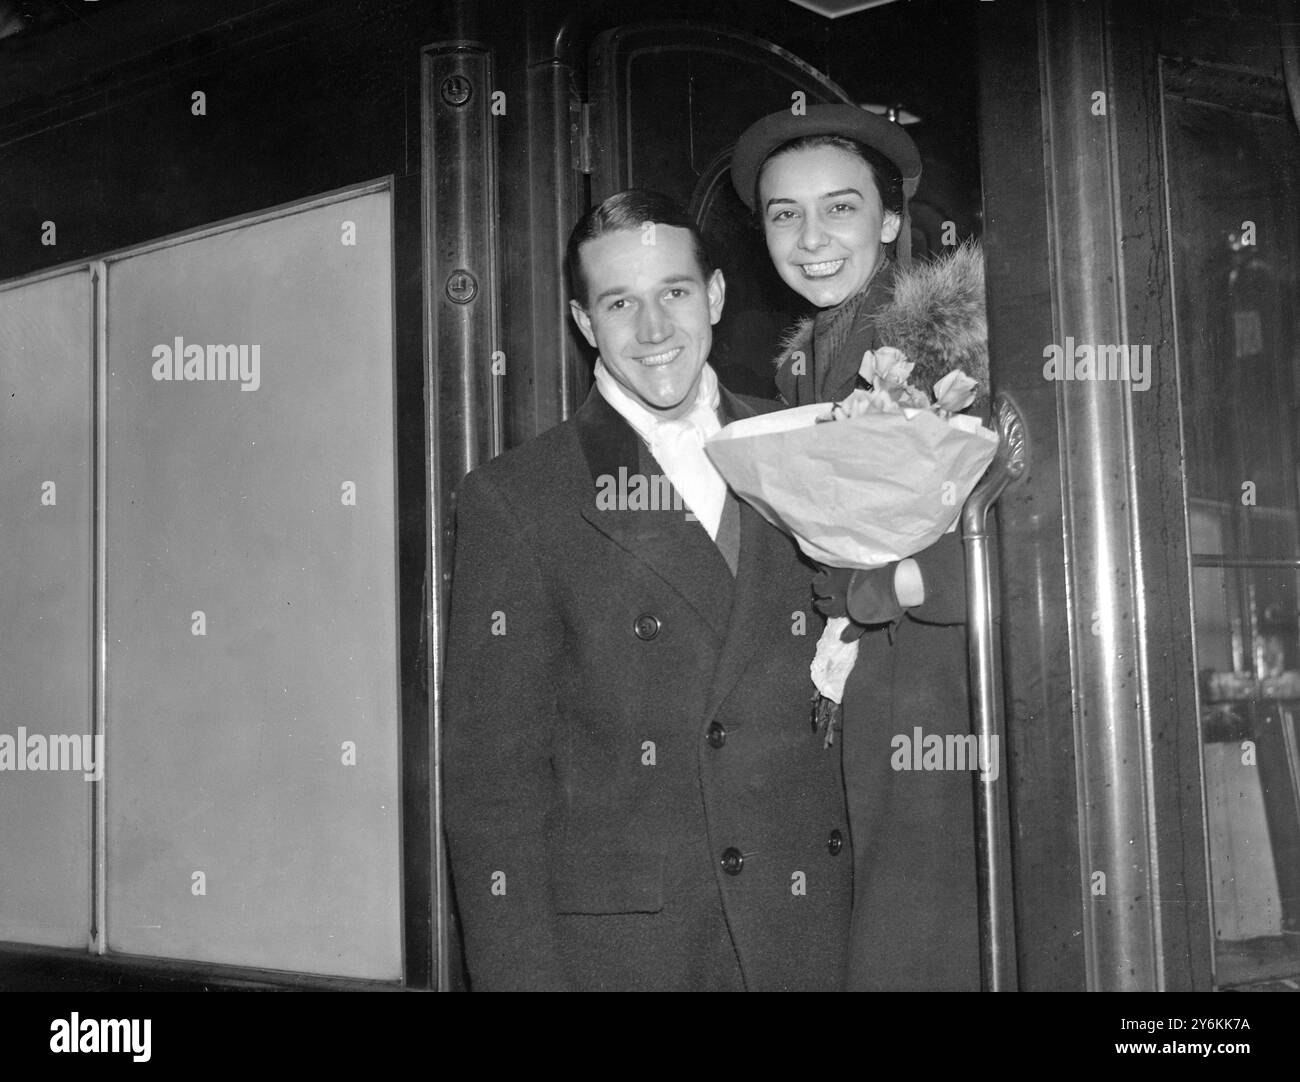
point(45, 575)
point(252, 797)
point(248, 812)
point(1233, 198)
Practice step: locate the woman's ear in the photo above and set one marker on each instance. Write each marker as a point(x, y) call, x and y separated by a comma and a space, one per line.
point(890, 224)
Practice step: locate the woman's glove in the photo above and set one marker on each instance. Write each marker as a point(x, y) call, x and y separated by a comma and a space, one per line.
point(830, 588)
point(866, 597)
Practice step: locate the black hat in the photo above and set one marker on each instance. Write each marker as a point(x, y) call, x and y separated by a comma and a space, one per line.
point(764, 136)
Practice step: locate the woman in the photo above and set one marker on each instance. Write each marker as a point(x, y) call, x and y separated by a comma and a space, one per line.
point(830, 188)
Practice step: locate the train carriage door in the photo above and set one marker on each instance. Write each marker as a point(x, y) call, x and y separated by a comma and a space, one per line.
point(667, 103)
point(1141, 172)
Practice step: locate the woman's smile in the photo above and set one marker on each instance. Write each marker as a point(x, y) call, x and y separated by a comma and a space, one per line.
point(821, 270)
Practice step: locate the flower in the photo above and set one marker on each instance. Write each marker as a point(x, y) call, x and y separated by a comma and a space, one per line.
point(886, 368)
point(887, 372)
point(954, 392)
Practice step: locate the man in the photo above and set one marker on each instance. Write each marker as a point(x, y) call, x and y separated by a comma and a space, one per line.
point(635, 798)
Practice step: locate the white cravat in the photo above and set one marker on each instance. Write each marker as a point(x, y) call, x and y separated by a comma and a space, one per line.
point(678, 446)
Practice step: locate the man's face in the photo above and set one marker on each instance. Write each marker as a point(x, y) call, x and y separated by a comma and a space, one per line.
point(650, 313)
point(823, 222)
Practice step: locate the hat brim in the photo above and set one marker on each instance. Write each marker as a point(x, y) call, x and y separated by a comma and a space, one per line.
point(764, 136)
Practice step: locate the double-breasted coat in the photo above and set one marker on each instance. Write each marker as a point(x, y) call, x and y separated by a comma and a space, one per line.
point(635, 797)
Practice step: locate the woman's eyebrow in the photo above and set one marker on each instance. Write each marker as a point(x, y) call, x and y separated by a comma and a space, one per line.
point(827, 195)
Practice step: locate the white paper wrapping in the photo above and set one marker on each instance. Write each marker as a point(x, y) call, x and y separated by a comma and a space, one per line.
point(862, 491)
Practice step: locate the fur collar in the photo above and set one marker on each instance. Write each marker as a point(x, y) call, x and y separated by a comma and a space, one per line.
point(935, 315)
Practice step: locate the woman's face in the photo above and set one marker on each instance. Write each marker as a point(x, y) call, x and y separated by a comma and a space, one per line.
point(824, 222)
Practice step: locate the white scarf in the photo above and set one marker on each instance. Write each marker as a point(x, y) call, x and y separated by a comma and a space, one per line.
point(678, 446)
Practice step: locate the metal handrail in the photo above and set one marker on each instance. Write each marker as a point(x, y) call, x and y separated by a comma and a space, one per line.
point(992, 831)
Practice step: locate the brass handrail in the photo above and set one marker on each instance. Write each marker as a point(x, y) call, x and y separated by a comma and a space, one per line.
point(992, 831)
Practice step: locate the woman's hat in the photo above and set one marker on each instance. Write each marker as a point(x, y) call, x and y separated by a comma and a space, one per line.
point(764, 136)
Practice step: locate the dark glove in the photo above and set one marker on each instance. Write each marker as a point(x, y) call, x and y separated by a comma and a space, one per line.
point(830, 587)
point(865, 597)
point(871, 597)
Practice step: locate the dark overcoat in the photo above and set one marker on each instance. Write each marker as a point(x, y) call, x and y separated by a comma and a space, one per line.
point(915, 906)
point(635, 798)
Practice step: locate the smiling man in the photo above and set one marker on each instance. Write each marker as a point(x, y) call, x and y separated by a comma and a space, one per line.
point(635, 797)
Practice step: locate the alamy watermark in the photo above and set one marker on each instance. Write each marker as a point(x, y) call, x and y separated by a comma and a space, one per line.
point(638, 492)
point(1104, 361)
point(950, 751)
point(211, 363)
point(83, 755)
point(77, 1034)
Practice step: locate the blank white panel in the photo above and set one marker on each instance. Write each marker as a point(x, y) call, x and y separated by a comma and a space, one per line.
point(225, 750)
point(46, 566)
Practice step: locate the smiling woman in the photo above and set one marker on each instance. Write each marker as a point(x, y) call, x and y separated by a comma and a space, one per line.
point(830, 187)
point(825, 218)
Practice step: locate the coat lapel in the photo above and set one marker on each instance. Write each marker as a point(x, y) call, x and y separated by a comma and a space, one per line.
point(765, 566)
point(680, 551)
point(676, 548)
point(766, 559)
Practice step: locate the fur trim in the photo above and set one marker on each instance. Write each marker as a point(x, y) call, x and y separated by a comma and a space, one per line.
point(797, 337)
point(935, 316)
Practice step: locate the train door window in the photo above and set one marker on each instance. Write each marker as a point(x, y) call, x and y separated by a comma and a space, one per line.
point(1234, 192)
point(46, 595)
point(668, 102)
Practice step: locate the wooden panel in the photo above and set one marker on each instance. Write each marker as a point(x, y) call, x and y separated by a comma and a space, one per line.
point(45, 595)
point(227, 733)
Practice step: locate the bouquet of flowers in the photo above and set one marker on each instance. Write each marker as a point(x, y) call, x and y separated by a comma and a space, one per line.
point(866, 481)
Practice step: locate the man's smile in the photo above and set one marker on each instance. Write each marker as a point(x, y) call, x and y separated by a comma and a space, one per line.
point(656, 360)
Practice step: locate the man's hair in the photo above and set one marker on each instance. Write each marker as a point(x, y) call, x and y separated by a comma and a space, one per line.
point(889, 181)
point(628, 210)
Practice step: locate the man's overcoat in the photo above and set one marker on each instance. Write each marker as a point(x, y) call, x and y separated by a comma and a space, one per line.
point(635, 798)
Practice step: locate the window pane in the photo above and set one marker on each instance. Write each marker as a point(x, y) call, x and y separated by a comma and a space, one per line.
point(251, 597)
point(46, 565)
point(1235, 178)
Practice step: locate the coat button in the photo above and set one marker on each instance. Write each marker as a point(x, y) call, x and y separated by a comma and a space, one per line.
point(717, 735)
point(646, 626)
point(834, 843)
point(732, 861)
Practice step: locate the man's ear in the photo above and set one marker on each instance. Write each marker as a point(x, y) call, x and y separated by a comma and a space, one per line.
point(717, 294)
point(583, 321)
point(890, 225)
